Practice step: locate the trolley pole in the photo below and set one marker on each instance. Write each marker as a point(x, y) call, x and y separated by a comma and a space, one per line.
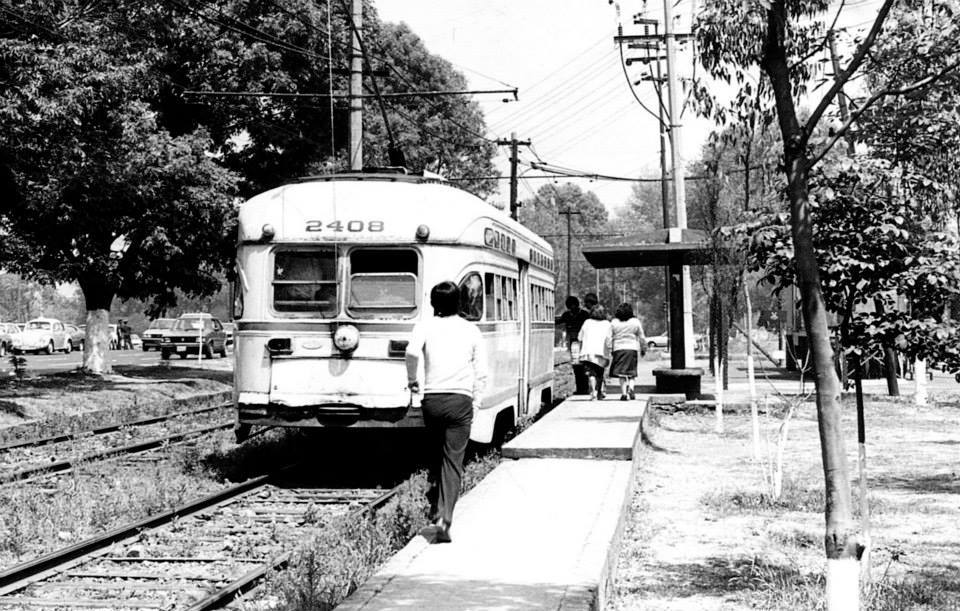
point(356, 90)
point(513, 143)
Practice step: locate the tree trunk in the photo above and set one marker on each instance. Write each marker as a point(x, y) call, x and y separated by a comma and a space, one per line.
point(889, 359)
point(840, 538)
point(96, 344)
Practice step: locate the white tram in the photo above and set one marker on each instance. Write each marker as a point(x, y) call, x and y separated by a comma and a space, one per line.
point(334, 271)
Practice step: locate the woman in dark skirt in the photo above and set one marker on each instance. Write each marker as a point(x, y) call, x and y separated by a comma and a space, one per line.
point(628, 344)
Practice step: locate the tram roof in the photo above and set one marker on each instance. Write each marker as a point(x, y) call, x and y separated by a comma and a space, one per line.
point(401, 202)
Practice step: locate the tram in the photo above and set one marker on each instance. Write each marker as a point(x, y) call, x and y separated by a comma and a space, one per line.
point(333, 273)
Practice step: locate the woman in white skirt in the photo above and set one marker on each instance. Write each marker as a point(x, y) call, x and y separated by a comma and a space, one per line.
point(628, 344)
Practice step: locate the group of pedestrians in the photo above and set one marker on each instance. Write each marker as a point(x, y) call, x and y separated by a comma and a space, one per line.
point(449, 350)
point(597, 341)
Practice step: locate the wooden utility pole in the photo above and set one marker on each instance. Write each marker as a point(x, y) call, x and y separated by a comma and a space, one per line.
point(685, 294)
point(513, 143)
point(356, 90)
point(569, 212)
point(678, 275)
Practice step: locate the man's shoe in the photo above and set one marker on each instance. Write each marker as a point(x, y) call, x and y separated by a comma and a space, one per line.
point(443, 533)
point(430, 533)
point(623, 397)
point(633, 396)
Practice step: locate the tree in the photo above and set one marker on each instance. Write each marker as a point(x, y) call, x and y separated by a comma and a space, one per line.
point(543, 215)
point(781, 39)
point(108, 199)
point(116, 178)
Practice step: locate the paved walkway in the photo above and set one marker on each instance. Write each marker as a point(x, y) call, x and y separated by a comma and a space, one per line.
point(539, 532)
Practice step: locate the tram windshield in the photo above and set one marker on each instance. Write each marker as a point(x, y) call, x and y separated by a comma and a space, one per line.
point(383, 283)
point(305, 281)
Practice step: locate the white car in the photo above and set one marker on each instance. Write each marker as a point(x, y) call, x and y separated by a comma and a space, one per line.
point(657, 341)
point(660, 341)
point(43, 335)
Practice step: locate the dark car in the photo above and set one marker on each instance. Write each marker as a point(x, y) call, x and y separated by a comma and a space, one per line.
point(192, 333)
point(153, 336)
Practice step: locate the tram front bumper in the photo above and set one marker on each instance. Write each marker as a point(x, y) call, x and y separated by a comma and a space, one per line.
point(328, 409)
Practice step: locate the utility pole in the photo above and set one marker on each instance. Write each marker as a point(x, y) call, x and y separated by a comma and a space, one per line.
point(356, 90)
point(679, 190)
point(681, 307)
point(513, 143)
point(568, 212)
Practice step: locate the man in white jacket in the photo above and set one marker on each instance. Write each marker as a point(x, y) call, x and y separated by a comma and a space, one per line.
point(454, 376)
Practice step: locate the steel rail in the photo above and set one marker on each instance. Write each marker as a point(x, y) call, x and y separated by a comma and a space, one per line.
point(252, 578)
point(66, 465)
point(108, 429)
point(22, 575)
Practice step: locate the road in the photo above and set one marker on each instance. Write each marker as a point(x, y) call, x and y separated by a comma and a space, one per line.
point(40, 364)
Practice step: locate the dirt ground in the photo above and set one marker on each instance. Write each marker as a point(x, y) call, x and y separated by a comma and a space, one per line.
point(705, 533)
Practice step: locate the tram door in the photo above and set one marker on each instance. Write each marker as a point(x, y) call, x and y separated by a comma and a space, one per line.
point(523, 301)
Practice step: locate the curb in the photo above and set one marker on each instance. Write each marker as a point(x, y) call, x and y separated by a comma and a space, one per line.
point(37, 428)
point(608, 576)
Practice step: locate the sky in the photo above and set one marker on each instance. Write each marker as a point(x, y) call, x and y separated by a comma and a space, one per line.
point(575, 104)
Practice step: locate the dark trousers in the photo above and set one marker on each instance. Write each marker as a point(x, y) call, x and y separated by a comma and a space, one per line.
point(595, 371)
point(448, 418)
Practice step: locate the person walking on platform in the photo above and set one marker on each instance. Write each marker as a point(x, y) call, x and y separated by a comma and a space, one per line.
point(454, 366)
point(626, 333)
point(595, 342)
point(570, 322)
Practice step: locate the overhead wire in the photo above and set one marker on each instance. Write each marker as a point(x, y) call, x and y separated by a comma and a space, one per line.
point(559, 91)
point(579, 105)
point(250, 31)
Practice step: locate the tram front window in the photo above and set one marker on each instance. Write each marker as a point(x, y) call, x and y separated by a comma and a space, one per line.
point(383, 283)
point(306, 282)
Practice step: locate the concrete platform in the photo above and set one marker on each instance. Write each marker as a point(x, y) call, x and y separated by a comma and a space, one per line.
point(537, 533)
point(580, 428)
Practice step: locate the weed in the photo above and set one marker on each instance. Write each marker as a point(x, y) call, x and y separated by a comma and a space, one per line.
point(346, 553)
point(479, 468)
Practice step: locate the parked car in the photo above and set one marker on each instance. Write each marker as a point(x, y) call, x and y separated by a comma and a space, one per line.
point(77, 336)
point(660, 341)
point(153, 336)
point(43, 334)
point(192, 333)
point(657, 341)
point(8, 333)
point(136, 341)
point(229, 328)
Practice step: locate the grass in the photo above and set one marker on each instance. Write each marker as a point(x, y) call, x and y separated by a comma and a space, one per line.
point(786, 588)
point(348, 551)
point(41, 516)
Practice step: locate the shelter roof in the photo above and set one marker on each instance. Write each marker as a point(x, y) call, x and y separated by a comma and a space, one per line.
point(651, 248)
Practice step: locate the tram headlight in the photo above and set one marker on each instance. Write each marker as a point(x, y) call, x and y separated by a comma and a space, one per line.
point(346, 338)
point(267, 232)
point(423, 232)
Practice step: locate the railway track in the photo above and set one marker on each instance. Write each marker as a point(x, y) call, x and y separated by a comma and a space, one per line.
point(27, 460)
point(197, 557)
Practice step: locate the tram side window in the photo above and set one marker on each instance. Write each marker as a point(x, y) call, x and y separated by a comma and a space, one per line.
point(471, 297)
point(490, 298)
point(383, 283)
point(306, 282)
point(500, 296)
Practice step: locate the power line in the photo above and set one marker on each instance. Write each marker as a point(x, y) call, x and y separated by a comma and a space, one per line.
point(251, 31)
point(402, 94)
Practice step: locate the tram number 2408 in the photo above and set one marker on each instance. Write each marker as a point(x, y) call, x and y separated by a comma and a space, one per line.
point(354, 226)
